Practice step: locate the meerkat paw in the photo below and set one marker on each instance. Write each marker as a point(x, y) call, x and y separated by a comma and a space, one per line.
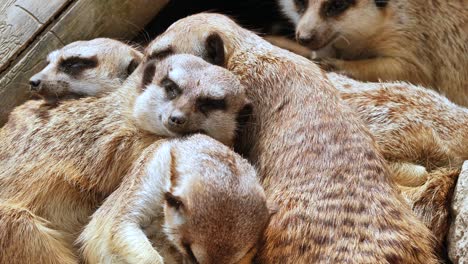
point(408, 174)
point(327, 64)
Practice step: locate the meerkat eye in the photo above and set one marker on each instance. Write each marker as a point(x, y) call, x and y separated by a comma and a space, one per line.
point(171, 88)
point(336, 7)
point(206, 105)
point(301, 5)
point(173, 201)
point(75, 65)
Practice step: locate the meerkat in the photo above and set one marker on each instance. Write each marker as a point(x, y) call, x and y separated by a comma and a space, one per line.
point(317, 160)
point(411, 124)
point(57, 165)
point(85, 68)
point(389, 40)
point(203, 197)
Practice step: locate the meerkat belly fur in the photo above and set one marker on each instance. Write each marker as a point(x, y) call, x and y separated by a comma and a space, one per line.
point(391, 40)
point(204, 198)
point(57, 165)
point(316, 158)
point(85, 68)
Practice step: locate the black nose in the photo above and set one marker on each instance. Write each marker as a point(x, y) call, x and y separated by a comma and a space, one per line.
point(177, 120)
point(306, 39)
point(34, 84)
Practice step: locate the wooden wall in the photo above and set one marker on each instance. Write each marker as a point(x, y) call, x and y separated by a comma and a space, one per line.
point(30, 29)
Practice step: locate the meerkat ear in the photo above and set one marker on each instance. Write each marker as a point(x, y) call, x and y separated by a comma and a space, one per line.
point(244, 115)
point(132, 66)
point(215, 49)
point(148, 74)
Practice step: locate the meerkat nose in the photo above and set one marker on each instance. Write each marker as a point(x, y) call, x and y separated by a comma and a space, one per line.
point(177, 120)
point(34, 84)
point(305, 39)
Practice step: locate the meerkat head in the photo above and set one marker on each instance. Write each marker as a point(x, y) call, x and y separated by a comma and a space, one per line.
point(183, 94)
point(215, 210)
point(205, 42)
point(85, 68)
point(323, 22)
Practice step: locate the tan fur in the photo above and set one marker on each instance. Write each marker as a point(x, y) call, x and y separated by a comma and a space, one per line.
point(431, 201)
point(85, 68)
point(419, 41)
point(316, 159)
point(59, 164)
point(410, 124)
point(222, 214)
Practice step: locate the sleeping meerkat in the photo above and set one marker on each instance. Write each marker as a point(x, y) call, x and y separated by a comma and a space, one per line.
point(317, 160)
point(411, 125)
point(195, 194)
point(423, 136)
point(57, 165)
point(417, 41)
point(85, 68)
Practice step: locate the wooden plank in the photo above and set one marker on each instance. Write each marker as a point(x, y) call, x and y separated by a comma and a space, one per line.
point(20, 22)
point(81, 19)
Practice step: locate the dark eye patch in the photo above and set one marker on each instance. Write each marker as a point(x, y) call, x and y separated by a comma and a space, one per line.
point(171, 88)
point(173, 201)
point(159, 55)
point(301, 5)
point(333, 8)
point(76, 65)
point(206, 105)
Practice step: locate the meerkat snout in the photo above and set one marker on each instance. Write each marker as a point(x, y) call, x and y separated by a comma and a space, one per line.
point(175, 101)
point(216, 211)
point(85, 68)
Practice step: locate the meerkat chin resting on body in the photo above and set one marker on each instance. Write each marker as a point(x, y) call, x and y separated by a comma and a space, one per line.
point(195, 194)
point(388, 40)
point(57, 165)
point(317, 160)
point(85, 68)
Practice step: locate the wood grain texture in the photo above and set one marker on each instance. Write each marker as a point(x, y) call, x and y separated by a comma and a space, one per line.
point(30, 29)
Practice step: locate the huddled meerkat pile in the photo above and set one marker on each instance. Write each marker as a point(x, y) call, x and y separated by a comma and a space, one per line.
point(108, 165)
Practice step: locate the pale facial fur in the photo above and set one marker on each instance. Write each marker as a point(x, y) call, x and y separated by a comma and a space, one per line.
point(333, 22)
point(85, 68)
point(183, 94)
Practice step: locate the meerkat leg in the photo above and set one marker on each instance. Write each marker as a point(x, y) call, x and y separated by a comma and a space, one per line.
point(116, 232)
point(27, 238)
point(376, 69)
point(408, 174)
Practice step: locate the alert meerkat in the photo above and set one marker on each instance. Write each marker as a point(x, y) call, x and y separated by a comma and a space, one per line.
point(85, 68)
point(195, 194)
point(57, 165)
point(389, 40)
point(317, 160)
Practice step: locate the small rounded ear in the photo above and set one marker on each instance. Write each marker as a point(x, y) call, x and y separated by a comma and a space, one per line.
point(381, 3)
point(173, 201)
point(215, 49)
point(148, 74)
point(244, 115)
point(132, 66)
